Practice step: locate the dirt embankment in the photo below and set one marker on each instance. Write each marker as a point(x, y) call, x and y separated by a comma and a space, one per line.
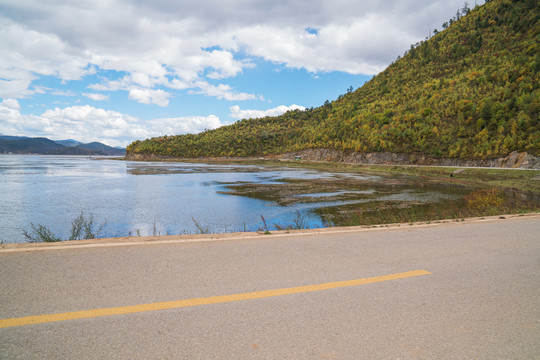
point(515, 159)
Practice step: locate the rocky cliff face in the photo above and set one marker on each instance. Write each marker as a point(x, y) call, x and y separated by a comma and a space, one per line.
point(513, 160)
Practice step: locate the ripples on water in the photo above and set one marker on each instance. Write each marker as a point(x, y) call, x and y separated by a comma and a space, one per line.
point(132, 196)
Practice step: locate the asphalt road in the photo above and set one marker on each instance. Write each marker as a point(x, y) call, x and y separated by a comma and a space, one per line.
point(478, 297)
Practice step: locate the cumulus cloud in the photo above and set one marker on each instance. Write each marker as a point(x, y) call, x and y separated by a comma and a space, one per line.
point(10, 104)
point(28, 52)
point(86, 124)
point(148, 96)
point(186, 125)
point(160, 97)
point(96, 97)
point(64, 93)
point(237, 113)
point(182, 44)
point(222, 91)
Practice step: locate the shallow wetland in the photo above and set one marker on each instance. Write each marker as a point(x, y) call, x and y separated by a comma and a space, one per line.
point(160, 198)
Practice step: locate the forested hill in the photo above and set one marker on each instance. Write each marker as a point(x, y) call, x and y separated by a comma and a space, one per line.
point(470, 91)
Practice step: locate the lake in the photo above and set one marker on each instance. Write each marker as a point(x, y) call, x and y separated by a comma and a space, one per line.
point(146, 198)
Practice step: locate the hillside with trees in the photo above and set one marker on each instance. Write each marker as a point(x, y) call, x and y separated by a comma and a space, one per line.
point(471, 91)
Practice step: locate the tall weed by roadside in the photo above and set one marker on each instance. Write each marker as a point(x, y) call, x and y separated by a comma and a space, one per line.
point(265, 227)
point(200, 228)
point(83, 228)
point(299, 222)
point(40, 233)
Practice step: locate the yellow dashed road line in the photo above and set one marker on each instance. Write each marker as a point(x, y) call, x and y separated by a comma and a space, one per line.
point(39, 319)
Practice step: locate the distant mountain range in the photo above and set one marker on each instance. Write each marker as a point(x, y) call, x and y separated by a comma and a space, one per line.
point(27, 145)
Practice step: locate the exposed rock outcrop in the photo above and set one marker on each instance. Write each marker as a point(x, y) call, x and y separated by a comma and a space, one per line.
point(513, 160)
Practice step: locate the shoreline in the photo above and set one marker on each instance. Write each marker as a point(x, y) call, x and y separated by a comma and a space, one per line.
point(514, 160)
point(238, 236)
point(520, 179)
point(514, 183)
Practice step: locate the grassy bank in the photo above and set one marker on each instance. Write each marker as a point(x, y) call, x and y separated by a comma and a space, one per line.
point(474, 191)
point(479, 203)
point(517, 179)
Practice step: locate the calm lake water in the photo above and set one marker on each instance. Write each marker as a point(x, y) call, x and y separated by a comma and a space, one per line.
point(143, 197)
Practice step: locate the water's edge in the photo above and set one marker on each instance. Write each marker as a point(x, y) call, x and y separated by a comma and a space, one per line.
point(238, 236)
point(514, 160)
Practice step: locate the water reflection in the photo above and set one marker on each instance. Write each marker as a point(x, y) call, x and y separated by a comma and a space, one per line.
point(53, 190)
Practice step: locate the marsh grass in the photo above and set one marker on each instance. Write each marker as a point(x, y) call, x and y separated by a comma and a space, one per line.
point(483, 202)
point(524, 180)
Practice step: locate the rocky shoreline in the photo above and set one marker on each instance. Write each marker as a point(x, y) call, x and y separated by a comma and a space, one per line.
point(514, 160)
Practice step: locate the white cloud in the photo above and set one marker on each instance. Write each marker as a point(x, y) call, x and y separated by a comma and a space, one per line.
point(237, 113)
point(222, 91)
point(162, 43)
point(28, 52)
point(148, 96)
point(87, 124)
point(185, 125)
point(225, 65)
point(11, 104)
point(64, 93)
point(16, 87)
point(160, 97)
point(96, 97)
point(12, 122)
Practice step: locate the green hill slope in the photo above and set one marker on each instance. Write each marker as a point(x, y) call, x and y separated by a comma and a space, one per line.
point(471, 91)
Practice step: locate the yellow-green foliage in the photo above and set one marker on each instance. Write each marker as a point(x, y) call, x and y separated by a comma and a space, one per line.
point(484, 200)
point(471, 91)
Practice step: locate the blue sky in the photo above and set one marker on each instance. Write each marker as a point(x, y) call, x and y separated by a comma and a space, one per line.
point(120, 70)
